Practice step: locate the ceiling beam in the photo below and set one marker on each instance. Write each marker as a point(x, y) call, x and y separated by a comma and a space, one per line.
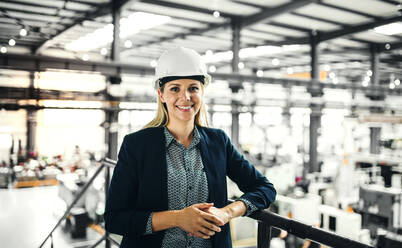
point(100, 10)
point(267, 14)
point(187, 7)
point(358, 28)
point(41, 63)
point(348, 10)
point(245, 21)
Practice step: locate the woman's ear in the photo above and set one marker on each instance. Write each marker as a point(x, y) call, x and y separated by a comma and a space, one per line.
point(160, 94)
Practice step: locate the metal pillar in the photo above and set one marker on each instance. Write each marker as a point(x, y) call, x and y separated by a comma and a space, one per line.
point(112, 116)
point(235, 68)
point(375, 60)
point(315, 116)
point(31, 120)
point(315, 123)
point(375, 136)
point(375, 132)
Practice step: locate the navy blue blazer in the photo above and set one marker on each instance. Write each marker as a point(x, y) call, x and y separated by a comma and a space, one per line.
point(139, 184)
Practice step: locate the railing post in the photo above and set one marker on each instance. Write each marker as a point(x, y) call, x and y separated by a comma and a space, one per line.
point(264, 235)
point(51, 241)
point(107, 182)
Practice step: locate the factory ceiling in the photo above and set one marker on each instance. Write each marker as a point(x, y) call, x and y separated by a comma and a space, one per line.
point(275, 35)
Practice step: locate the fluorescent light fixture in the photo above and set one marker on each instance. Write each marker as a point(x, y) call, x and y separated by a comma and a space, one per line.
point(133, 24)
point(103, 51)
point(85, 57)
point(275, 61)
point(128, 44)
point(11, 42)
point(389, 29)
point(23, 32)
point(365, 83)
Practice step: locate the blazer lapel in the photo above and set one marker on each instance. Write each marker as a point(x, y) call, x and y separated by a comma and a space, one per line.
point(206, 160)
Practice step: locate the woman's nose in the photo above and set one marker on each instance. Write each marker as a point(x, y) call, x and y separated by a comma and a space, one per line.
point(186, 95)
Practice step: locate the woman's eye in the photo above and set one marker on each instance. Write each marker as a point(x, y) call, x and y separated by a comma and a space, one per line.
point(174, 89)
point(192, 89)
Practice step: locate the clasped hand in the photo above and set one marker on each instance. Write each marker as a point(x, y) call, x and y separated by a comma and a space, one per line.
point(202, 220)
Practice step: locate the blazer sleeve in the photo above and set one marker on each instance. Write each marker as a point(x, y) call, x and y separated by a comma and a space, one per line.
point(121, 217)
point(255, 186)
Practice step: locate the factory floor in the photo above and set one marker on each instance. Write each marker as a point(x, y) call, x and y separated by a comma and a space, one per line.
point(27, 216)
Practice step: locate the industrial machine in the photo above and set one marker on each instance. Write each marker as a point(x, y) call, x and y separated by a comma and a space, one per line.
point(381, 207)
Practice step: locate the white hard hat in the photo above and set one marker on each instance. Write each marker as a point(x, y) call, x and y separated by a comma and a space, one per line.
point(180, 62)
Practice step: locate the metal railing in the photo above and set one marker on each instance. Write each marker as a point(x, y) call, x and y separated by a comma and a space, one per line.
point(106, 163)
point(266, 221)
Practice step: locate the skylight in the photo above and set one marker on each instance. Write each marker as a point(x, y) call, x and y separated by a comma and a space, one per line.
point(130, 25)
point(390, 29)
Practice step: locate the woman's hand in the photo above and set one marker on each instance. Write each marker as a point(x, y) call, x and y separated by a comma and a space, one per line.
point(221, 213)
point(196, 220)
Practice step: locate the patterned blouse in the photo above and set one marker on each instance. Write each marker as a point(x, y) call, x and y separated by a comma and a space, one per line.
point(187, 185)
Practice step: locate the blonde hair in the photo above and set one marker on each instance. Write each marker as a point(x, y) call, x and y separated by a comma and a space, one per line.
point(162, 117)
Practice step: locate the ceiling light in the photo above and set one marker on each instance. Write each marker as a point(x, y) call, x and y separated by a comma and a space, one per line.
point(23, 32)
point(387, 46)
point(128, 44)
point(11, 42)
point(335, 81)
point(275, 61)
point(103, 51)
point(389, 29)
point(216, 14)
point(392, 86)
point(154, 63)
point(260, 73)
point(332, 75)
point(369, 73)
point(289, 70)
point(397, 82)
point(365, 83)
point(130, 25)
point(212, 68)
point(240, 65)
point(3, 49)
point(85, 57)
point(367, 78)
point(209, 53)
point(327, 68)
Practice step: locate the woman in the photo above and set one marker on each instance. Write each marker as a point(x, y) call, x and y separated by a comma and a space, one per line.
point(169, 185)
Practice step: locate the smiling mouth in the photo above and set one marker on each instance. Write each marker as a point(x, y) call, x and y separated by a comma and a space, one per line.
point(185, 108)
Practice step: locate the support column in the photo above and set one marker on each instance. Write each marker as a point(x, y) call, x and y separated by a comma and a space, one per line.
point(112, 115)
point(315, 116)
point(375, 95)
point(315, 124)
point(235, 87)
point(31, 120)
point(375, 136)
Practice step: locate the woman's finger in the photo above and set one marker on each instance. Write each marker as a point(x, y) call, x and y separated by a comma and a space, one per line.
point(212, 218)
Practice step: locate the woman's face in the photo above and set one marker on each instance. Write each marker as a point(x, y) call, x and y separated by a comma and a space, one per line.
point(183, 98)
